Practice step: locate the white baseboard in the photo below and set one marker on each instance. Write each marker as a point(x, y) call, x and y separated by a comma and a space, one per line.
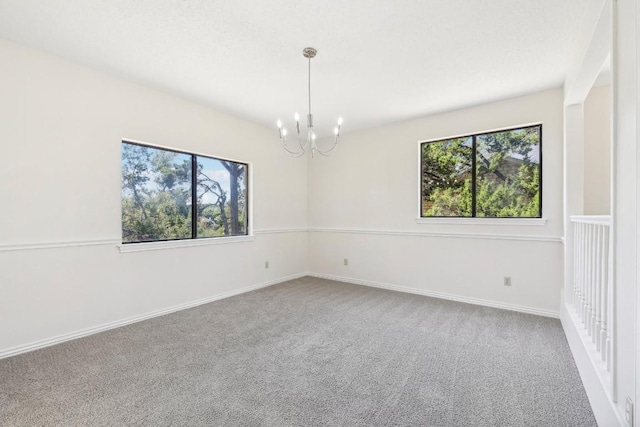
point(14, 351)
point(604, 410)
point(442, 295)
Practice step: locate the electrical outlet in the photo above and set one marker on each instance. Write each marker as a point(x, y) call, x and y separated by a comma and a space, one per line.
point(346, 261)
point(628, 411)
point(507, 280)
point(266, 264)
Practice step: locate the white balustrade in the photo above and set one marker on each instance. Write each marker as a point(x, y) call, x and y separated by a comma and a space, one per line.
point(592, 285)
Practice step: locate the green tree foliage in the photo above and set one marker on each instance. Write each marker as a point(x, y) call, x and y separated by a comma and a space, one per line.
point(507, 175)
point(446, 178)
point(156, 197)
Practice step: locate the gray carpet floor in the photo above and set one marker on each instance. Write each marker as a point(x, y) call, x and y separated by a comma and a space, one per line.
point(307, 352)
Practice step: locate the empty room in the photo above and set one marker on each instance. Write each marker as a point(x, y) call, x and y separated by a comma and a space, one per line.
point(319, 213)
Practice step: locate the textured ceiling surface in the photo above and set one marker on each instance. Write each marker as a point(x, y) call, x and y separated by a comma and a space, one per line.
point(379, 61)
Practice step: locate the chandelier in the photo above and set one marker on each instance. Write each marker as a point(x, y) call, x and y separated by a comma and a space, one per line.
point(308, 143)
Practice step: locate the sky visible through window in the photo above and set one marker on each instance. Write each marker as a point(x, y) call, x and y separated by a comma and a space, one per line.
point(214, 170)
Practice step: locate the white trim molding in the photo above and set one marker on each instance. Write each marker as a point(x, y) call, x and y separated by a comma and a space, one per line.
point(59, 244)
point(552, 239)
point(442, 295)
point(117, 241)
point(185, 243)
point(482, 221)
point(148, 246)
point(282, 230)
point(14, 351)
point(592, 219)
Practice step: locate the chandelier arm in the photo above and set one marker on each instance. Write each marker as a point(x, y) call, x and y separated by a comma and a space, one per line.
point(303, 146)
point(293, 153)
point(302, 151)
point(327, 151)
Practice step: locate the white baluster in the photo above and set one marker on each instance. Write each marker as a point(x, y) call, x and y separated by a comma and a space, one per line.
point(608, 356)
point(580, 269)
point(594, 280)
point(588, 278)
point(592, 289)
point(609, 306)
point(576, 264)
point(582, 265)
point(595, 337)
point(604, 333)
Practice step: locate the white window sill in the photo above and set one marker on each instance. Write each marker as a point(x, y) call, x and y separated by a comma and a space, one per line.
point(483, 221)
point(187, 243)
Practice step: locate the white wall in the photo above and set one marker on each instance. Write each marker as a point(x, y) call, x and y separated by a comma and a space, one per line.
point(60, 267)
point(363, 205)
point(625, 216)
point(597, 147)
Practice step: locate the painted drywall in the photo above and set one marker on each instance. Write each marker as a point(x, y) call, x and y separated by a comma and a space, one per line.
point(625, 198)
point(597, 148)
point(60, 268)
point(363, 205)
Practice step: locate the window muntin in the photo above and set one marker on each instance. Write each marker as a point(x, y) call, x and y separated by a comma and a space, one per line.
point(491, 175)
point(158, 187)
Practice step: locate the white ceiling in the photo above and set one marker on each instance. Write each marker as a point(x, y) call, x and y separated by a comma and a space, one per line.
point(379, 61)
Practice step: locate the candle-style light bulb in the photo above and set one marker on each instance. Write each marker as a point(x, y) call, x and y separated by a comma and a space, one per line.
point(296, 116)
point(313, 136)
point(279, 124)
point(339, 121)
point(335, 131)
point(284, 132)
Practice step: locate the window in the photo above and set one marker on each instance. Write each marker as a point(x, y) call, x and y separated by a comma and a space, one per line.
point(492, 175)
point(160, 185)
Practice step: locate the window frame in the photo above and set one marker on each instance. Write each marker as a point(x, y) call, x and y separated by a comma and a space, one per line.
point(163, 243)
point(473, 218)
